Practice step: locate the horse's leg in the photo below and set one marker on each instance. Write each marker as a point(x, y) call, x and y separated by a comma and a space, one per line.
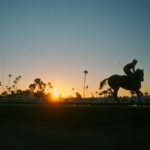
point(139, 94)
point(115, 93)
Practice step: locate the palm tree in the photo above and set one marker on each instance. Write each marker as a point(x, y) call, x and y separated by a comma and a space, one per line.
point(100, 94)
point(73, 92)
point(9, 87)
point(85, 73)
point(18, 79)
point(16, 83)
point(146, 94)
point(96, 92)
point(87, 90)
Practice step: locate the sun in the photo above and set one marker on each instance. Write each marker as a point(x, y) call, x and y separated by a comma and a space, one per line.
point(55, 96)
point(55, 93)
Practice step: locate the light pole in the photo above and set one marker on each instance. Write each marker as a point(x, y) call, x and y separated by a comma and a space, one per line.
point(85, 73)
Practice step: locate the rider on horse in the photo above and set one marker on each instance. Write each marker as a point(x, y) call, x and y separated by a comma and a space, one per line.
point(130, 66)
point(130, 82)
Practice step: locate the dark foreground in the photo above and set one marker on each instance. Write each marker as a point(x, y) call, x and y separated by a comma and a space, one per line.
point(40, 126)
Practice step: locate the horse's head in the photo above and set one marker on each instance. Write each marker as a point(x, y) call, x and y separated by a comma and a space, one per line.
point(139, 74)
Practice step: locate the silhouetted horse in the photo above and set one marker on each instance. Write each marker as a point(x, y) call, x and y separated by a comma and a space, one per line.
point(128, 83)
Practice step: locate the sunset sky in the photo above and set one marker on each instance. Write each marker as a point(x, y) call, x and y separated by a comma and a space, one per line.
point(56, 40)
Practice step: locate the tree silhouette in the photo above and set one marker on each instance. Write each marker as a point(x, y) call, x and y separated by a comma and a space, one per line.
point(104, 93)
point(16, 83)
point(49, 87)
point(9, 84)
point(32, 87)
point(37, 83)
point(146, 94)
point(78, 95)
point(73, 91)
point(40, 85)
point(40, 89)
point(96, 93)
point(49, 84)
point(132, 93)
point(85, 74)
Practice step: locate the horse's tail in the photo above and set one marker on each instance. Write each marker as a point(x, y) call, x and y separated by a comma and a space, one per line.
point(102, 83)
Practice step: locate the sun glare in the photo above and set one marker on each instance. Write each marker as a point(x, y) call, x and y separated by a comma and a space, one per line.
point(55, 97)
point(55, 93)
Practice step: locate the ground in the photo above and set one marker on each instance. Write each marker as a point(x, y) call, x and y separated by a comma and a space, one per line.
point(46, 126)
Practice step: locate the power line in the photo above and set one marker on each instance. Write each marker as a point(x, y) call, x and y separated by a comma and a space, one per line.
point(3, 76)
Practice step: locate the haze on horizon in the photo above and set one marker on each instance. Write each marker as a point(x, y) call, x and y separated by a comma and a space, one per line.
point(57, 40)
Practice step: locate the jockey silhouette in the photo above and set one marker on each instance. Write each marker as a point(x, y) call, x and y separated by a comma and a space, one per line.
point(130, 66)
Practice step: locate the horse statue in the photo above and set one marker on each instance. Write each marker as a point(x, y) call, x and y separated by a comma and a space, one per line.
point(123, 81)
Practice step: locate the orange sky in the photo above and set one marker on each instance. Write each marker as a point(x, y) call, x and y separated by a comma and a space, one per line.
point(57, 40)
